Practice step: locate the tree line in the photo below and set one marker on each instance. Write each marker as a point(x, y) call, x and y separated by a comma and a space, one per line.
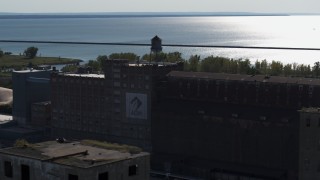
point(29, 53)
point(214, 64)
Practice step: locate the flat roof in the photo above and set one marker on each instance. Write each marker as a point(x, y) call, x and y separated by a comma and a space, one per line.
point(82, 154)
point(42, 103)
point(311, 110)
point(5, 118)
point(86, 75)
point(29, 71)
point(242, 77)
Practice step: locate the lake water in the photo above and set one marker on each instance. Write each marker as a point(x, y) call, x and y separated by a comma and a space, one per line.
point(277, 31)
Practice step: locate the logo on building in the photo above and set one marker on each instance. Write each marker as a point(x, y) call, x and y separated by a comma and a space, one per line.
point(136, 105)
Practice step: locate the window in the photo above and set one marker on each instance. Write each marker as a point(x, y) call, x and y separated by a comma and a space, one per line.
point(306, 164)
point(116, 70)
point(25, 172)
point(8, 172)
point(300, 87)
point(116, 92)
point(133, 170)
point(116, 75)
point(116, 84)
point(308, 122)
point(104, 176)
point(72, 177)
point(263, 118)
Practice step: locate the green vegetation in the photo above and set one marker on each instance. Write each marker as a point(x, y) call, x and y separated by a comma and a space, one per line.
point(5, 74)
point(18, 62)
point(216, 64)
point(112, 146)
point(195, 63)
point(6, 80)
point(15, 60)
point(129, 56)
point(69, 68)
point(31, 52)
point(22, 143)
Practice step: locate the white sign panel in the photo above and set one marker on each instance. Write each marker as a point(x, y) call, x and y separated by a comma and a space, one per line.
point(136, 105)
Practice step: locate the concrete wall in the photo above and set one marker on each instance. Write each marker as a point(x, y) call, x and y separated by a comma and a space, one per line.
point(197, 138)
point(44, 170)
point(309, 146)
point(29, 87)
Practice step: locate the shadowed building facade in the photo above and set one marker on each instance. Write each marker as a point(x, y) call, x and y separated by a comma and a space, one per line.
point(227, 126)
point(209, 125)
point(29, 86)
point(115, 106)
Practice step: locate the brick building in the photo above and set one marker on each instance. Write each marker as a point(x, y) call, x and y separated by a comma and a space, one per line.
point(115, 106)
point(209, 125)
point(227, 126)
point(309, 144)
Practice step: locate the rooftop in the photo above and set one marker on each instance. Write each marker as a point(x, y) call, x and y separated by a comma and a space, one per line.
point(28, 71)
point(5, 118)
point(82, 154)
point(311, 110)
point(147, 63)
point(86, 75)
point(43, 103)
point(241, 77)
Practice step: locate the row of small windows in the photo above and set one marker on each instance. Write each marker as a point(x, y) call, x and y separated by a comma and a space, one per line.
point(25, 172)
point(188, 84)
point(308, 122)
point(8, 170)
point(139, 85)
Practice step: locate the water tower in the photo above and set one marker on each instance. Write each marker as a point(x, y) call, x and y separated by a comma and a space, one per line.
point(156, 47)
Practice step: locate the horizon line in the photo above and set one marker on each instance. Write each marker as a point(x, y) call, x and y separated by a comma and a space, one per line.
point(165, 45)
point(162, 12)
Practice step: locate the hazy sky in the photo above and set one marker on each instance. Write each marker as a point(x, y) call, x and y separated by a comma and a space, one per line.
point(278, 6)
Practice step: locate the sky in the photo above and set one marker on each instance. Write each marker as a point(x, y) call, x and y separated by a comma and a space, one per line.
point(72, 6)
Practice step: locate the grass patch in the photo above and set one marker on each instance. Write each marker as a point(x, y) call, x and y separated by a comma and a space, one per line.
point(11, 61)
point(112, 146)
point(5, 74)
point(22, 143)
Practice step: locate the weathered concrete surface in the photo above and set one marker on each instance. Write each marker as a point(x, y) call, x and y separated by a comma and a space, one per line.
point(5, 96)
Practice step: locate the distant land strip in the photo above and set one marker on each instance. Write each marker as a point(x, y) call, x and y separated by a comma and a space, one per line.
point(166, 45)
point(127, 15)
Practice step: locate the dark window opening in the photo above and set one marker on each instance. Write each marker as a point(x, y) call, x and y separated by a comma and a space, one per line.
point(25, 172)
point(72, 177)
point(308, 122)
point(8, 170)
point(133, 170)
point(104, 176)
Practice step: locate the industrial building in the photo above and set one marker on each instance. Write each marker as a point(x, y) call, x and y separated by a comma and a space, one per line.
point(29, 86)
point(81, 160)
point(210, 125)
point(31, 89)
point(228, 126)
point(115, 106)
